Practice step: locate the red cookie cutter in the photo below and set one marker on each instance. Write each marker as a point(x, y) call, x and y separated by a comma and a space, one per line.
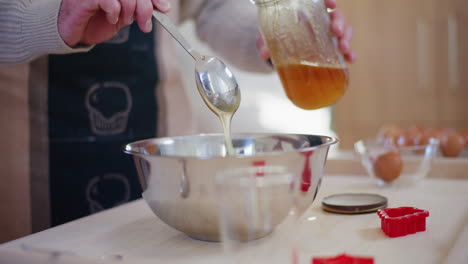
point(259, 164)
point(396, 222)
point(343, 259)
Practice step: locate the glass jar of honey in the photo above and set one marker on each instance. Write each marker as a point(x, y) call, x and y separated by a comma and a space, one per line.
point(304, 51)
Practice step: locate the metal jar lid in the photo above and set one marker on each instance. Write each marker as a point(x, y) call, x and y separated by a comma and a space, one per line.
point(354, 203)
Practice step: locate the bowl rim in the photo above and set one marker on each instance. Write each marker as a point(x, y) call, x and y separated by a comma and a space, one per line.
point(433, 142)
point(127, 149)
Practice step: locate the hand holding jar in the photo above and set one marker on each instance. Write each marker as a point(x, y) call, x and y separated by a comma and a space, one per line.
point(304, 49)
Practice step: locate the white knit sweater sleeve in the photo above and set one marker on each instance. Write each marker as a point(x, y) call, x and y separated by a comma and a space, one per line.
point(28, 29)
point(230, 28)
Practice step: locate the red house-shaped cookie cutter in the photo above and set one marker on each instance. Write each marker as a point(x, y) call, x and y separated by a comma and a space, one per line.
point(402, 221)
point(343, 259)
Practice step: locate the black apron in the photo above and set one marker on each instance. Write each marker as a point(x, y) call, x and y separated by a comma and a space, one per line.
point(98, 102)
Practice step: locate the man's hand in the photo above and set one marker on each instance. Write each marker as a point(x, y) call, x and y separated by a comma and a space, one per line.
point(342, 31)
point(89, 22)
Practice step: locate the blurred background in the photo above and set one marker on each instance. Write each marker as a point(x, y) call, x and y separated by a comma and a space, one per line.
point(412, 69)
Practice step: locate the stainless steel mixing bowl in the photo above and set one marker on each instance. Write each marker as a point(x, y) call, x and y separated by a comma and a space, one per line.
point(177, 174)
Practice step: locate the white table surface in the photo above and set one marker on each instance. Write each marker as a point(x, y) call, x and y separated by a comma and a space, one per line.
point(132, 234)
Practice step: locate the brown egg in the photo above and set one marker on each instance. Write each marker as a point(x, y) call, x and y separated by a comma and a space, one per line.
point(389, 131)
point(439, 133)
point(452, 145)
point(418, 128)
point(415, 134)
point(406, 138)
point(393, 134)
point(388, 166)
point(434, 133)
point(410, 139)
point(424, 140)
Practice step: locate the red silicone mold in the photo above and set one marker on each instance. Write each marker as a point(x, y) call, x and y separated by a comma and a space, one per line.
point(343, 259)
point(396, 222)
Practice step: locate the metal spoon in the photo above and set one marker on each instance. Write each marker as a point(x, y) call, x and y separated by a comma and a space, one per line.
point(215, 81)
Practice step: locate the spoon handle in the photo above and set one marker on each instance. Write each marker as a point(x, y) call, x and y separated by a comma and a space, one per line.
point(165, 21)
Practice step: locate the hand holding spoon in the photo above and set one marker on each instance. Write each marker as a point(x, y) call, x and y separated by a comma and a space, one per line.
point(215, 82)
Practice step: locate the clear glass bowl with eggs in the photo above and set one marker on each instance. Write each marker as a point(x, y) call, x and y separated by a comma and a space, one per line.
point(392, 164)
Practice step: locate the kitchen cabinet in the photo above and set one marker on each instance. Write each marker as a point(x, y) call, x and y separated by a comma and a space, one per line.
point(412, 66)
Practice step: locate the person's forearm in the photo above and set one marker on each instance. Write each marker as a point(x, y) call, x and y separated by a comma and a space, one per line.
point(28, 29)
point(230, 28)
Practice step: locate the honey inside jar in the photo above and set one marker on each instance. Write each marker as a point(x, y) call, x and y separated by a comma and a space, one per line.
point(313, 87)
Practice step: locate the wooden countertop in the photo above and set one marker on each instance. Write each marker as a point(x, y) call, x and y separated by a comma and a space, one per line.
point(132, 234)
